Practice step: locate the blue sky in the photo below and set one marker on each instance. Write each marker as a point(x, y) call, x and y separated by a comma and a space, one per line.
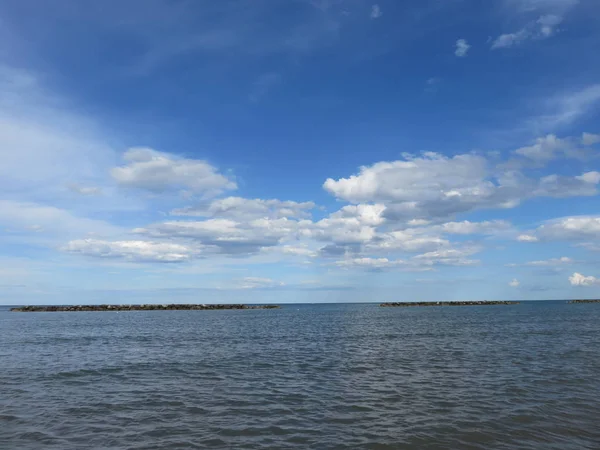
point(299, 150)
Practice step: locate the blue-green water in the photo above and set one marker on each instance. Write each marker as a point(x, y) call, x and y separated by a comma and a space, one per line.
point(304, 376)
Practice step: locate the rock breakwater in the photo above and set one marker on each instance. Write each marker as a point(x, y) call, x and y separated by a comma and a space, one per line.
point(171, 307)
point(474, 303)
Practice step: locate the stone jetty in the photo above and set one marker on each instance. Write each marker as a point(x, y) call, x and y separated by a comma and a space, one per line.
point(475, 303)
point(584, 301)
point(171, 307)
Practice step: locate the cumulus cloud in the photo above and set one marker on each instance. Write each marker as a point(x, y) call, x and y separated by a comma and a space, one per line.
point(578, 279)
point(462, 48)
point(514, 283)
point(545, 148)
point(226, 235)
point(434, 186)
point(414, 180)
point(582, 230)
point(159, 172)
point(570, 228)
point(376, 12)
point(561, 186)
point(246, 208)
point(142, 251)
point(353, 224)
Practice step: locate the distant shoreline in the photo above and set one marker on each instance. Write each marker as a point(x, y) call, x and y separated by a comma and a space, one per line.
point(473, 303)
point(584, 301)
point(149, 307)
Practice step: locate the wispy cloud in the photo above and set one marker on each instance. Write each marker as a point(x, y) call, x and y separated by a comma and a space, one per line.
point(542, 28)
point(376, 12)
point(432, 84)
point(263, 84)
point(566, 108)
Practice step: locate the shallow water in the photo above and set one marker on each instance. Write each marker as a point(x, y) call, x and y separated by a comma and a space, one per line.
point(304, 376)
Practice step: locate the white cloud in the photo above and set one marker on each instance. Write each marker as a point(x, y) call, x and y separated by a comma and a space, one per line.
point(239, 208)
point(462, 48)
point(542, 28)
point(449, 256)
point(376, 12)
point(370, 263)
point(435, 186)
point(561, 187)
point(510, 39)
point(578, 279)
point(590, 177)
point(259, 283)
point(142, 251)
point(353, 224)
point(553, 262)
point(549, 6)
point(44, 144)
point(527, 238)
point(226, 235)
point(84, 190)
point(545, 148)
point(298, 251)
point(431, 178)
point(570, 228)
point(26, 217)
point(567, 107)
point(159, 172)
point(548, 23)
point(418, 222)
point(406, 241)
point(589, 139)
point(514, 283)
point(467, 227)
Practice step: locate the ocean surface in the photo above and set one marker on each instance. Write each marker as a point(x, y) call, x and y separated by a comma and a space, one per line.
point(353, 376)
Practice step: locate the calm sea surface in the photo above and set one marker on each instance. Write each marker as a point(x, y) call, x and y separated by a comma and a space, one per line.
point(305, 376)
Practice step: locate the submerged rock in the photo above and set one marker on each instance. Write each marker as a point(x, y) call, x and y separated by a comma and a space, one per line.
point(172, 307)
point(473, 303)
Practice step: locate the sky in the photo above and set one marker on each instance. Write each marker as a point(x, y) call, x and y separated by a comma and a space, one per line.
point(299, 150)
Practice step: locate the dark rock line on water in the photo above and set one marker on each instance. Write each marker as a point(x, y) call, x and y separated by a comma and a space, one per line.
point(584, 301)
point(172, 307)
point(474, 303)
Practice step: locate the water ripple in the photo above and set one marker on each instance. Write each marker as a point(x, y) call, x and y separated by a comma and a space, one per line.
point(326, 377)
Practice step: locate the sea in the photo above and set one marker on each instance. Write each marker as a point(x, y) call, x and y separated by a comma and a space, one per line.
point(322, 376)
